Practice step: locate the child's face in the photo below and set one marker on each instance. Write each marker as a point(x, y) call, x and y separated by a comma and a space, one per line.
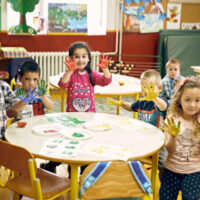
point(173, 70)
point(190, 102)
point(80, 57)
point(29, 80)
point(151, 81)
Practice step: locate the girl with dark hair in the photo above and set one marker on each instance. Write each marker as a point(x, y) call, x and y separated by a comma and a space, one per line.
point(80, 79)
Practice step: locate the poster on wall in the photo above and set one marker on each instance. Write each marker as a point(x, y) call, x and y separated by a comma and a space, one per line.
point(75, 16)
point(131, 22)
point(65, 17)
point(173, 16)
point(151, 23)
point(190, 26)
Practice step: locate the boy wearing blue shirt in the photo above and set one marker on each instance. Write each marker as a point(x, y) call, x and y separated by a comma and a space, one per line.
point(152, 108)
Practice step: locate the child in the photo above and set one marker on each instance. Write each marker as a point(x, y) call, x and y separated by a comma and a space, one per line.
point(182, 167)
point(10, 105)
point(29, 76)
point(80, 80)
point(152, 108)
point(172, 80)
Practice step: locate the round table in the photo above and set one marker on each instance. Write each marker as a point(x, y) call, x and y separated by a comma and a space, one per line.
point(131, 87)
point(144, 139)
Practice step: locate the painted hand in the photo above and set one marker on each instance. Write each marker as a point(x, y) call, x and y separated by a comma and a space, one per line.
point(70, 64)
point(170, 127)
point(20, 92)
point(42, 87)
point(150, 93)
point(103, 61)
point(31, 96)
point(111, 101)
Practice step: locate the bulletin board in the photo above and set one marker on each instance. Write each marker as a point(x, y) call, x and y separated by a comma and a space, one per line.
point(190, 12)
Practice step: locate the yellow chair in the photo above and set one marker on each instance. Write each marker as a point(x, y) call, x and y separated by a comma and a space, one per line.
point(22, 162)
point(116, 182)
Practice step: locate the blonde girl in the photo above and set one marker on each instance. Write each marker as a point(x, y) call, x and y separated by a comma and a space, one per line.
point(182, 130)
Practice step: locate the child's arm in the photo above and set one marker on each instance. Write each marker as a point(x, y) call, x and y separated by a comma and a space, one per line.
point(160, 103)
point(42, 90)
point(71, 68)
point(48, 103)
point(171, 131)
point(125, 105)
point(104, 65)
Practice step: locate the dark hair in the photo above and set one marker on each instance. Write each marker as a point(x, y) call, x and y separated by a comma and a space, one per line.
point(28, 66)
point(79, 45)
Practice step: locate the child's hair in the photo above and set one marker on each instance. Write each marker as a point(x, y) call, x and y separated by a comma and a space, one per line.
point(29, 66)
point(152, 74)
point(172, 61)
point(175, 109)
point(79, 45)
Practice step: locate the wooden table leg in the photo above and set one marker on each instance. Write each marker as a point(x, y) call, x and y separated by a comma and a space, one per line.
point(119, 98)
point(63, 100)
point(136, 97)
point(154, 173)
point(74, 182)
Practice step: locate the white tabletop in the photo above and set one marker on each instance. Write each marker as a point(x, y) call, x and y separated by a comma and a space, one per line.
point(131, 85)
point(143, 138)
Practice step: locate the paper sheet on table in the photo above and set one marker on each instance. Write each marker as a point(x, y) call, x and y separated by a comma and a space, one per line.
point(130, 124)
point(59, 148)
point(63, 119)
point(109, 151)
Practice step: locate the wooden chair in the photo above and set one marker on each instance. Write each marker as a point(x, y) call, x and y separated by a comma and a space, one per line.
point(22, 162)
point(116, 182)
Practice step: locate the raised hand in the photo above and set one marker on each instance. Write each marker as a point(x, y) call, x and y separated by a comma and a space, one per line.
point(70, 64)
point(31, 96)
point(20, 92)
point(150, 93)
point(42, 87)
point(103, 61)
point(111, 101)
point(170, 127)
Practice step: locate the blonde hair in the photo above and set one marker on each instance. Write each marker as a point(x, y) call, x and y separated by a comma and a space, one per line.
point(172, 61)
point(175, 109)
point(152, 74)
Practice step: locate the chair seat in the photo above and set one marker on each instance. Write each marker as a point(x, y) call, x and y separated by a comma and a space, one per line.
point(51, 184)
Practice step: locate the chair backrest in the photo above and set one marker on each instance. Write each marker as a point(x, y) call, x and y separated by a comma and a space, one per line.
point(116, 182)
point(14, 157)
point(15, 65)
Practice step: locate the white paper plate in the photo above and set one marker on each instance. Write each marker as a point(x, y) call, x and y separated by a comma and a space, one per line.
point(97, 126)
point(76, 134)
point(48, 129)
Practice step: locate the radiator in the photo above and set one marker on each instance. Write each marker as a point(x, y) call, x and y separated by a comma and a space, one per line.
point(52, 63)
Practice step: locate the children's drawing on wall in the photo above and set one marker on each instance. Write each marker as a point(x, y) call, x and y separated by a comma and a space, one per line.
point(151, 23)
point(40, 24)
point(131, 23)
point(190, 26)
point(19, 19)
point(67, 17)
point(146, 16)
point(173, 16)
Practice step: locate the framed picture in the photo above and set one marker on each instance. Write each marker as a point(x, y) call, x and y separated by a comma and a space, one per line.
point(185, 1)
